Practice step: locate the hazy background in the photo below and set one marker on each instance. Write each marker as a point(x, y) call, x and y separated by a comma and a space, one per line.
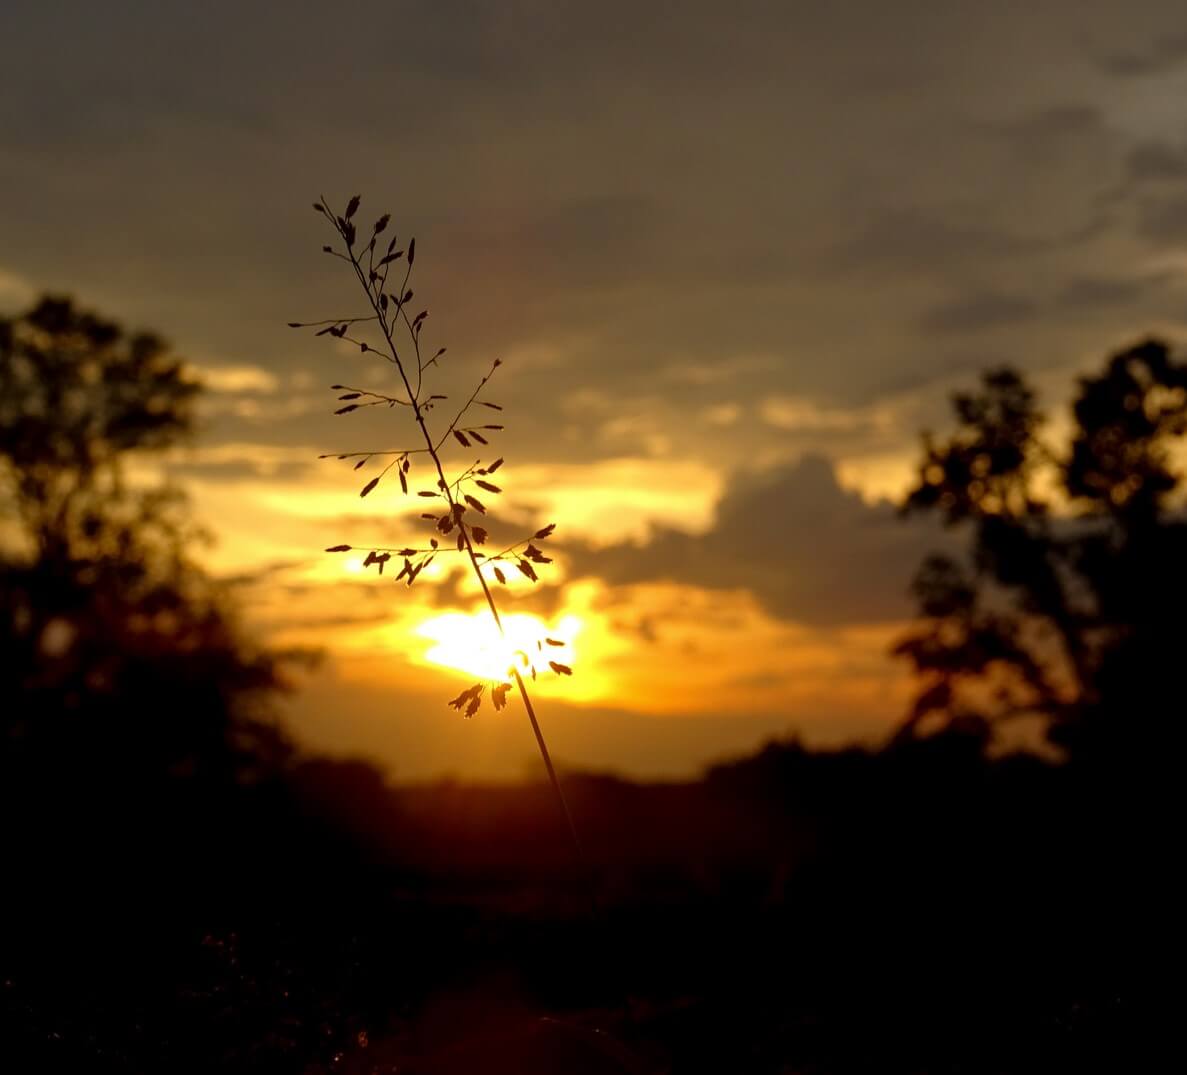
point(733, 262)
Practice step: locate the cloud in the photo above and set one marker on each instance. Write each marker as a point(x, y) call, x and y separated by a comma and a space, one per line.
point(976, 311)
point(1036, 130)
point(242, 461)
point(931, 238)
point(581, 241)
point(722, 414)
point(240, 470)
point(1163, 219)
point(720, 195)
point(808, 550)
point(1154, 161)
point(799, 415)
point(1092, 293)
point(265, 572)
point(1157, 57)
point(234, 379)
point(1047, 137)
point(15, 292)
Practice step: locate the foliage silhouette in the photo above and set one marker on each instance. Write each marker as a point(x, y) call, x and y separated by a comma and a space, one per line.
point(123, 665)
point(454, 501)
point(1070, 609)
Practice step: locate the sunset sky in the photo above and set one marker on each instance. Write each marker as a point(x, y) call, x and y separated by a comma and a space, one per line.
point(732, 257)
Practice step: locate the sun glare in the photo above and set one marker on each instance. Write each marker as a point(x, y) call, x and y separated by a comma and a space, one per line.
point(472, 643)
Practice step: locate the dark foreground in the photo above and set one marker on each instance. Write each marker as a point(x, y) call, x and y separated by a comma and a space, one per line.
point(918, 911)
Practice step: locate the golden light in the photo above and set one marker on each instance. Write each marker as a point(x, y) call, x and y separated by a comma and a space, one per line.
point(472, 643)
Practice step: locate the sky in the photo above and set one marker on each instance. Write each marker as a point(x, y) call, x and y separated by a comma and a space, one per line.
point(733, 260)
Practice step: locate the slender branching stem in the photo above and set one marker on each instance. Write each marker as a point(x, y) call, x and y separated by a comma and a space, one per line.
point(373, 287)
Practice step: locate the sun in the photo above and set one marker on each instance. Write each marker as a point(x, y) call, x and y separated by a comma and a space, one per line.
point(471, 642)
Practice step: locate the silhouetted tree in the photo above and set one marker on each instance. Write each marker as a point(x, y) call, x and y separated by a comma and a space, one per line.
point(119, 655)
point(1071, 606)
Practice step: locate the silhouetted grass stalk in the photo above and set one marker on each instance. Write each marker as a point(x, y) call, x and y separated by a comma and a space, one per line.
point(389, 311)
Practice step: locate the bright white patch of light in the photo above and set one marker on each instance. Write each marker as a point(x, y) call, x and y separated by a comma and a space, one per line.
point(472, 643)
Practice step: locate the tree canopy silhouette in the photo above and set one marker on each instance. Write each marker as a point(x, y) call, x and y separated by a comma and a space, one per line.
point(1070, 606)
point(121, 657)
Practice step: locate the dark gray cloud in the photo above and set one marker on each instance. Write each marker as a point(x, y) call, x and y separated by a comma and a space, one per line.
point(1037, 130)
point(1089, 293)
point(808, 550)
point(1157, 161)
point(581, 241)
point(922, 376)
point(788, 182)
point(1156, 57)
point(977, 310)
point(1043, 135)
point(929, 238)
point(1150, 184)
point(1163, 220)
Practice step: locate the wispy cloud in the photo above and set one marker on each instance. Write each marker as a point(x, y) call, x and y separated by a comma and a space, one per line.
point(234, 379)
